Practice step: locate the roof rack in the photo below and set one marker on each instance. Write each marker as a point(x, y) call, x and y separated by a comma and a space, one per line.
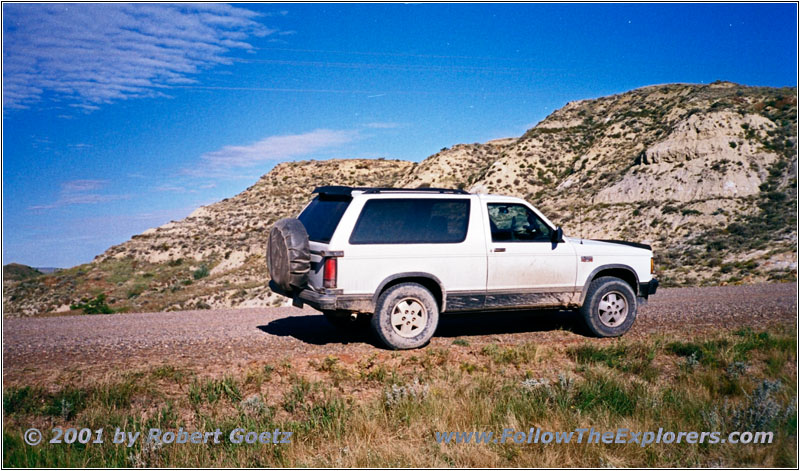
point(333, 190)
point(414, 190)
point(347, 190)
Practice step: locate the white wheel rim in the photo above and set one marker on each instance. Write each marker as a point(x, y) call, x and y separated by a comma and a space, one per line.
point(613, 309)
point(409, 317)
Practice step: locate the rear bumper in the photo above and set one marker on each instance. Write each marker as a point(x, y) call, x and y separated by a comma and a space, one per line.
point(646, 289)
point(327, 300)
point(319, 301)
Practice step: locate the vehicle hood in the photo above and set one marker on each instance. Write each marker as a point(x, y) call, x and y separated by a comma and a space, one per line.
point(609, 247)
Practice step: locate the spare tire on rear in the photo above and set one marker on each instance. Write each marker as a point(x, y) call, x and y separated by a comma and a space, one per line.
point(288, 255)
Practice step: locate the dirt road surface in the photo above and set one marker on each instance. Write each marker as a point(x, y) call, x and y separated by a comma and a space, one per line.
point(222, 340)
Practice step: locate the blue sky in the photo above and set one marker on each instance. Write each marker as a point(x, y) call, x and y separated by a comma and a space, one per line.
point(118, 118)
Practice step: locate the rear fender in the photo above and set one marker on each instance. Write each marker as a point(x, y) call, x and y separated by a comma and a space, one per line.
point(431, 282)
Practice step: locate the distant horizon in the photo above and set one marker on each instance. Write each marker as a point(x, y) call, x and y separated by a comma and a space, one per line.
point(122, 117)
point(44, 270)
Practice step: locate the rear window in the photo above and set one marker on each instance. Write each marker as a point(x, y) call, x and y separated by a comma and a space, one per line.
point(322, 215)
point(412, 221)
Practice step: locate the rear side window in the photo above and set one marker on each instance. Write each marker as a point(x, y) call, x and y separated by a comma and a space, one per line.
point(412, 221)
point(322, 215)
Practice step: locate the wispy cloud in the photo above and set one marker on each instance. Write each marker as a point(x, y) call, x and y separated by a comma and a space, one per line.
point(92, 54)
point(80, 192)
point(174, 189)
point(272, 148)
point(77, 186)
point(277, 13)
point(383, 125)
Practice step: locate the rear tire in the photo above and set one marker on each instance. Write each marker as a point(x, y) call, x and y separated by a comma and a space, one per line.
point(609, 309)
point(406, 316)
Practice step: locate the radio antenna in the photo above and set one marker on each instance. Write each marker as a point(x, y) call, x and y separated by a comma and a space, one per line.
point(580, 206)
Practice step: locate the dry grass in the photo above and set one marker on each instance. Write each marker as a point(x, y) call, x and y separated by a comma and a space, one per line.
point(383, 409)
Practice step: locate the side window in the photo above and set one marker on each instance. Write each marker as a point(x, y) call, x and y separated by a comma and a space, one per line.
point(412, 221)
point(516, 223)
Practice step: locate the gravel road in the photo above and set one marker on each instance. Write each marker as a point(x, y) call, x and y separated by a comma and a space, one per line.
point(221, 339)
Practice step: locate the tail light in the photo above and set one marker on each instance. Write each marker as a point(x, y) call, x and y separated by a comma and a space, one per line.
point(329, 273)
point(652, 266)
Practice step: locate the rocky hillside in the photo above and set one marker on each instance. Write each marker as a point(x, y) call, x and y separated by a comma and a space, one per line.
point(705, 173)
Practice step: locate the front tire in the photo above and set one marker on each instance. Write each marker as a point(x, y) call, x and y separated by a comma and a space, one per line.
point(609, 309)
point(406, 316)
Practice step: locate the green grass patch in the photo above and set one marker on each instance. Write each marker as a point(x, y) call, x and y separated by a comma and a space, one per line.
point(212, 390)
point(707, 352)
point(514, 355)
point(600, 391)
point(636, 358)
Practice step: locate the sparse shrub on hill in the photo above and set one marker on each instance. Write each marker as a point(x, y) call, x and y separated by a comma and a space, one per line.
point(93, 306)
point(201, 272)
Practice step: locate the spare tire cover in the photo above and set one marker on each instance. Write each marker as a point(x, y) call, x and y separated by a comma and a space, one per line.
point(288, 256)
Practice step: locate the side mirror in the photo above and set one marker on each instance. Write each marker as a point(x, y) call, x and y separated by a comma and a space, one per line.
point(557, 236)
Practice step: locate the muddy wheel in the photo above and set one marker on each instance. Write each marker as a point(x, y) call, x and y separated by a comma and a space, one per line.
point(406, 316)
point(609, 309)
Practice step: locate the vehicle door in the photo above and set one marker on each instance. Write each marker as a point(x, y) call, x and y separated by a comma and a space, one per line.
point(525, 267)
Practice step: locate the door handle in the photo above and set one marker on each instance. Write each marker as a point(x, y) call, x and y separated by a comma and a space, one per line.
point(500, 249)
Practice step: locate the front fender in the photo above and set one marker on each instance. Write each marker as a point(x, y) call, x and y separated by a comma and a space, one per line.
point(630, 272)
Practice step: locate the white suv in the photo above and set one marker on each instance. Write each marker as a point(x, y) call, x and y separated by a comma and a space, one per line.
point(409, 255)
